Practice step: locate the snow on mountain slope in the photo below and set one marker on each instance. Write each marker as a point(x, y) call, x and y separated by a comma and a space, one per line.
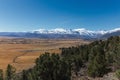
point(64, 33)
point(84, 31)
point(81, 31)
point(53, 31)
point(114, 30)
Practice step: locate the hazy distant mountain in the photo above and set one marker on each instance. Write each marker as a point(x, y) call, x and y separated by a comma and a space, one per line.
point(115, 32)
point(64, 33)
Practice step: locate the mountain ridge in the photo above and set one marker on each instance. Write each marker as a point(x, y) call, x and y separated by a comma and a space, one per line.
point(73, 31)
point(57, 33)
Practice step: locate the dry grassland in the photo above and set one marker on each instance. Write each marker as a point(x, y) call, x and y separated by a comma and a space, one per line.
point(21, 53)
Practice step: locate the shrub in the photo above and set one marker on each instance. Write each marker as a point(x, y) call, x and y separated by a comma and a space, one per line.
point(118, 73)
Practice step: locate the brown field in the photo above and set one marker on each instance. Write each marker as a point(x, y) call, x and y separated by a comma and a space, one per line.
point(21, 53)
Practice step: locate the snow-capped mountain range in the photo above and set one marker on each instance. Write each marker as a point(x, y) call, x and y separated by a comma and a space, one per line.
point(57, 33)
point(80, 31)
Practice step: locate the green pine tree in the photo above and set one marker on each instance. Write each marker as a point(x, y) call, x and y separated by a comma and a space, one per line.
point(10, 72)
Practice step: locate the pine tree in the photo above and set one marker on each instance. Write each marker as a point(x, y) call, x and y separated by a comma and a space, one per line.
point(117, 56)
point(10, 72)
point(1, 74)
point(24, 75)
point(97, 66)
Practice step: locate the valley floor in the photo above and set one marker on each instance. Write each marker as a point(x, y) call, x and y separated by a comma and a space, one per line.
point(21, 53)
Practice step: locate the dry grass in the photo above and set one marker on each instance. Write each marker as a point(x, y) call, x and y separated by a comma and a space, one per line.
point(21, 53)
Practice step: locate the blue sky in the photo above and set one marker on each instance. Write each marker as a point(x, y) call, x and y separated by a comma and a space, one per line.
point(27, 15)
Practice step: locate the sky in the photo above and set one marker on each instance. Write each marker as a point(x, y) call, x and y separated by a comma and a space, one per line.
point(28, 15)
